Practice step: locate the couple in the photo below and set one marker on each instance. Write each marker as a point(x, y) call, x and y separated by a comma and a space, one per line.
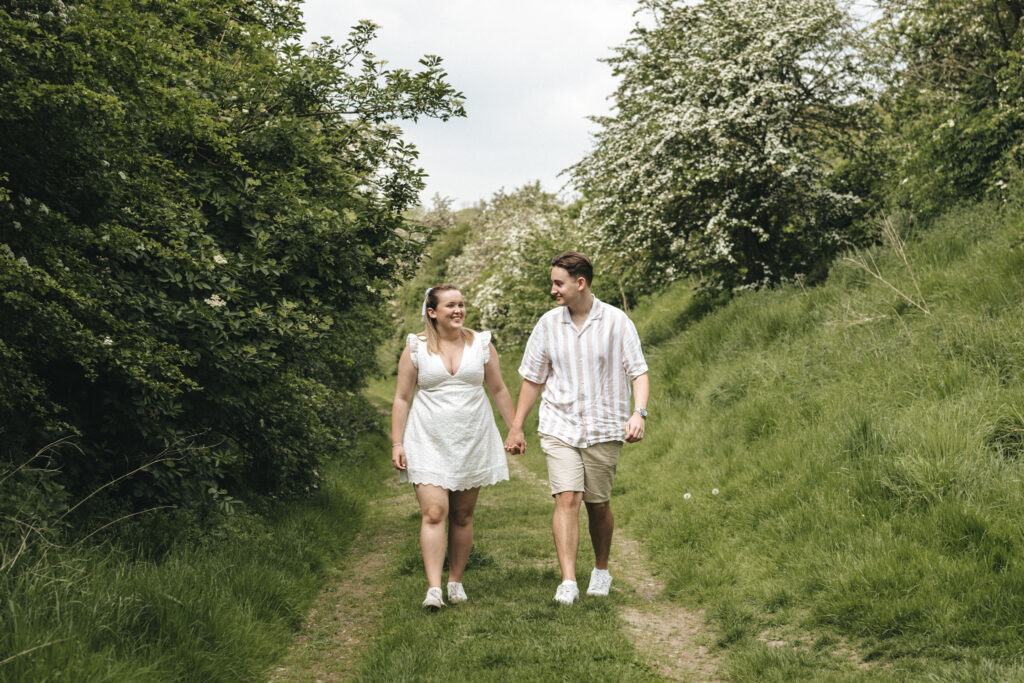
point(585, 355)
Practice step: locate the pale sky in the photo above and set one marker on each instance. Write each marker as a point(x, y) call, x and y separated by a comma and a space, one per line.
point(529, 70)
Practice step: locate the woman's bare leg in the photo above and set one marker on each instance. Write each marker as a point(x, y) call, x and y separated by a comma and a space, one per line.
point(460, 530)
point(434, 507)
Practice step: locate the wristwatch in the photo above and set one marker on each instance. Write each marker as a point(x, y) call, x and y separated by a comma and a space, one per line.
point(643, 413)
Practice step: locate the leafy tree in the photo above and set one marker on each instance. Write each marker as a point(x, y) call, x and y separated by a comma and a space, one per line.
point(504, 267)
point(722, 158)
point(200, 221)
point(956, 76)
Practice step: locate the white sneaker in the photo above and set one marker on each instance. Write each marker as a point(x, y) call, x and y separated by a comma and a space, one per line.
point(600, 582)
point(456, 593)
point(567, 592)
point(433, 600)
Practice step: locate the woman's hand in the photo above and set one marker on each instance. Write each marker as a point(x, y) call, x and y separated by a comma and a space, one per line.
point(516, 441)
point(398, 456)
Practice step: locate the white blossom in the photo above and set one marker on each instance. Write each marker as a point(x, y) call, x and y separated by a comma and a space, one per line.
point(219, 259)
point(215, 301)
point(717, 137)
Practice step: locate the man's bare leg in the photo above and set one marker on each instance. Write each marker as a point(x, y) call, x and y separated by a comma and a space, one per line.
point(566, 529)
point(601, 524)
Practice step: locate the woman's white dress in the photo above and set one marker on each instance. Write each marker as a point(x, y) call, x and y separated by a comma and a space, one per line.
point(450, 438)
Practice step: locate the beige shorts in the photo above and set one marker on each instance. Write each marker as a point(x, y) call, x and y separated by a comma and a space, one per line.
point(590, 470)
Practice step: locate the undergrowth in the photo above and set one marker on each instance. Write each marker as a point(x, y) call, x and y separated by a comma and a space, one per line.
point(867, 452)
point(156, 599)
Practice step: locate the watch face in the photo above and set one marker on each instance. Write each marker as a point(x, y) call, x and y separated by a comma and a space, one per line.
point(643, 413)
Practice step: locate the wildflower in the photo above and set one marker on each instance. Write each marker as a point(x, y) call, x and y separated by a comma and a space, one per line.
point(215, 301)
point(107, 341)
point(23, 261)
point(686, 496)
point(714, 492)
point(950, 123)
point(219, 260)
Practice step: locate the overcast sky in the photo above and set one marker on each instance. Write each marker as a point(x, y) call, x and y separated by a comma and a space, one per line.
point(529, 70)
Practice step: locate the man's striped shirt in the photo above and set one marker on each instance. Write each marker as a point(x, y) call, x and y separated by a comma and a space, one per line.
point(587, 373)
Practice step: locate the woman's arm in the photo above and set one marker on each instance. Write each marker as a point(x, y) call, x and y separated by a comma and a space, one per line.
point(496, 385)
point(400, 408)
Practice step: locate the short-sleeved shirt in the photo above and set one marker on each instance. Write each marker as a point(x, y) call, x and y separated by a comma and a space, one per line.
point(587, 373)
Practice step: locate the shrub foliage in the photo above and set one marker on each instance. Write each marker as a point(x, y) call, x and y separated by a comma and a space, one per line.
point(200, 220)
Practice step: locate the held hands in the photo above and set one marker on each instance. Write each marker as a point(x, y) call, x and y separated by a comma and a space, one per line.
point(516, 441)
point(398, 456)
point(635, 428)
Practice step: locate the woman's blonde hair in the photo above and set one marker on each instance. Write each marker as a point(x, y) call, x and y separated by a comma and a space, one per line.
point(430, 333)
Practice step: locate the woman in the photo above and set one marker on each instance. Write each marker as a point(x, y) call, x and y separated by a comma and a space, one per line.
point(447, 445)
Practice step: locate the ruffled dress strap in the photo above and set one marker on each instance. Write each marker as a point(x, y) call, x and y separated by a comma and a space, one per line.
point(485, 345)
point(413, 342)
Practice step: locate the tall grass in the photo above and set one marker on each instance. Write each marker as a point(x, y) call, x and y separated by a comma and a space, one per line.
point(868, 457)
point(220, 606)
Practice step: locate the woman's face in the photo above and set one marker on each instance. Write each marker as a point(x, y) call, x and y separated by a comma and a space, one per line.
point(450, 311)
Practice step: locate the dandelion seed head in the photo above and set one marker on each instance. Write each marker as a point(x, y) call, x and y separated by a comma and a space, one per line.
point(714, 492)
point(686, 496)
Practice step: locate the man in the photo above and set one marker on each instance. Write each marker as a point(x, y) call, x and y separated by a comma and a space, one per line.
point(584, 355)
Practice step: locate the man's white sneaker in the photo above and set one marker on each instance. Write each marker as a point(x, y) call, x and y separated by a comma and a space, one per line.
point(567, 593)
point(600, 582)
point(433, 601)
point(456, 593)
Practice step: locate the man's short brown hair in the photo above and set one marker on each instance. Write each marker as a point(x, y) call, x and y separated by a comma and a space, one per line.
point(576, 264)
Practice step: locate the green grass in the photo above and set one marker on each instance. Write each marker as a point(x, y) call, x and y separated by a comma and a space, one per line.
point(869, 523)
point(219, 607)
point(511, 629)
point(868, 458)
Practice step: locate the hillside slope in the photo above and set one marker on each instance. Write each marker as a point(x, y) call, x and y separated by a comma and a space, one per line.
point(867, 458)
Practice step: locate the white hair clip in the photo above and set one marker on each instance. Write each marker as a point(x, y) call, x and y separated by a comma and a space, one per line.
point(423, 310)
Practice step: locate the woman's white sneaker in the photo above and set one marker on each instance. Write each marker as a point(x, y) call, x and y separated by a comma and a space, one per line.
point(433, 600)
point(600, 582)
point(456, 593)
point(567, 592)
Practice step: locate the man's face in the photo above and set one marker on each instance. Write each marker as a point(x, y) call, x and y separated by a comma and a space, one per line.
point(564, 288)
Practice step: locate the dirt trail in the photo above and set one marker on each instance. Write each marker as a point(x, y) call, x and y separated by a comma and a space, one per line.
point(346, 616)
point(341, 624)
point(672, 638)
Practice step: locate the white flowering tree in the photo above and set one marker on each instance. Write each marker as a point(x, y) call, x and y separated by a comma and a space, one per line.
point(721, 157)
point(505, 265)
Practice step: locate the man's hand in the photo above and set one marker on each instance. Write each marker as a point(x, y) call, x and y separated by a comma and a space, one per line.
point(635, 428)
point(516, 441)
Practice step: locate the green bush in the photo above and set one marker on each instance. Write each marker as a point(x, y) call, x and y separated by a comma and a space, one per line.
point(200, 221)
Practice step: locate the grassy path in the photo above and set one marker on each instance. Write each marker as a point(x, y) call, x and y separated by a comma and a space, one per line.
point(368, 623)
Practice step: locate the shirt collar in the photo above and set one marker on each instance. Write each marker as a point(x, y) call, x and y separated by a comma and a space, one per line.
point(595, 312)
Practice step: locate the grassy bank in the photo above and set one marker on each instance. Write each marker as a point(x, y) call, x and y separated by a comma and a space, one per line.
point(217, 607)
point(867, 453)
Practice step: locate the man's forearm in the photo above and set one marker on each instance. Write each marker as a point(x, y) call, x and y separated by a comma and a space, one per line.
point(528, 395)
point(641, 391)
